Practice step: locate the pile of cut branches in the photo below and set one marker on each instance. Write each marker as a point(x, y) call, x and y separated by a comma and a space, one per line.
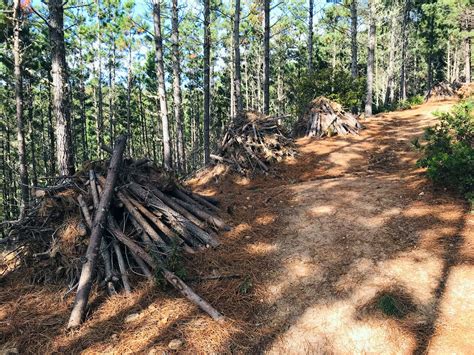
point(253, 142)
point(442, 91)
point(324, 117)
point(106, 224)
point(465, 91)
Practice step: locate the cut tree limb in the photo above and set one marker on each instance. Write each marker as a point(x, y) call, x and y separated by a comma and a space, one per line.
point(88, 269)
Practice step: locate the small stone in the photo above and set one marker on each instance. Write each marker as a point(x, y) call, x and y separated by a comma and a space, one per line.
point(175, 344)
point(247, 237)
point(131, 317)
point(114, 337)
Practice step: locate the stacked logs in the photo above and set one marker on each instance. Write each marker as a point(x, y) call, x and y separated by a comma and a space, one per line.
point(136, 218)
point(253, 142)
point(442, 91)
point(324, 117)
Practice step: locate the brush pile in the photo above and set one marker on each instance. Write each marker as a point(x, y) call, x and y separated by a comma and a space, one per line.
point(253, 142)
point(107, 224)
point(326, 118)
point(442, 91)
point(465, 91)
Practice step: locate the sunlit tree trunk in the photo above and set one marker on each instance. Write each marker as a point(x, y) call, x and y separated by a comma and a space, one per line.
point(370, 59)
point(61, 104)
point(266, 57)
point(178, 109)
point(354, 70)
point(403, 74)
point(160, 73)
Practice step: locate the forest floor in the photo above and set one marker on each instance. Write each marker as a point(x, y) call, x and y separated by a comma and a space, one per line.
point(347, 249)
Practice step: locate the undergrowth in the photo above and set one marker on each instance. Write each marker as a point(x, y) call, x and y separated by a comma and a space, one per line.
point(449, 151)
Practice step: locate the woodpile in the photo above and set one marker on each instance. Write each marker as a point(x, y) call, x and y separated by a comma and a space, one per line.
point(253, 142)
point(105, 225)
point(324, 117)
point(465, 91)
point(442, 91)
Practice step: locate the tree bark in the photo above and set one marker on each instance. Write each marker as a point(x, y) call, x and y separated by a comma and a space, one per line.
point(100, 219)
point(25, 195)
point(266, 57)
point(237, 68)
point(207, 79)
point(354, 70)
point(467, 59)
point(403, 75)
point(160, 73)
point(178, 110)
point(310, 36)
point(61, 104)
point(370, 59)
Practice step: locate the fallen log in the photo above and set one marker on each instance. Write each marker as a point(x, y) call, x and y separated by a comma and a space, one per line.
point(85, 281)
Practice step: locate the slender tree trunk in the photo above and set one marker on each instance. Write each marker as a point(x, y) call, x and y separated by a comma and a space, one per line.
point(390, 90)
point(31, 132)
point(207, 83)
point(467, 59)
point(237, 69)
point(82, 102)
point(430, 51)
point(160, 73)
point(403, 75)
point(52, 138)
point(310, 36)
point(370, 59)
point(266, 57)
point(354, 70)
point(129, 94)
point(61, 104)
point(100, 110)
point(178, 109)
point(25, 196)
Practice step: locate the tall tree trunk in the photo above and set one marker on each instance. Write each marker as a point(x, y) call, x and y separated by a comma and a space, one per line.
point(390, 89)
point(129, 93)
point(467, 59)
point(160, 73)
point(403, 74)
point(25, 196)
point(207, 77)
point(430, 51)
point(354, 70)
point(370, 59)
point(82, 103)
point(237, 71)
point(61, 104)
point(266, 57)
point(32, 138)
point(177, 100)
point(52, 138)
point(310, 36)
point(100, 110)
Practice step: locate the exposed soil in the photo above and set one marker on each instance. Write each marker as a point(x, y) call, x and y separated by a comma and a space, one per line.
point(347, 249)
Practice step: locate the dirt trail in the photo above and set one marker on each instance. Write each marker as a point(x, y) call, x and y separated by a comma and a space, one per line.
point(367, 256)
point(349, 249)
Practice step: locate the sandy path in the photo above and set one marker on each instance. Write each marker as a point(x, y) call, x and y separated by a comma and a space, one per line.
point(373, 237)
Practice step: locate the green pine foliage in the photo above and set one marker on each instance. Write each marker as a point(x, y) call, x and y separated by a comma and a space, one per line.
point(449, 151)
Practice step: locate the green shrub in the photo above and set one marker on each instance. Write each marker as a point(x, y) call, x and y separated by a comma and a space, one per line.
point(449, 151)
